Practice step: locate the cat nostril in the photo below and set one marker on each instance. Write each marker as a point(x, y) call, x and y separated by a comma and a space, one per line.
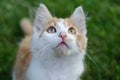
point(62, 35)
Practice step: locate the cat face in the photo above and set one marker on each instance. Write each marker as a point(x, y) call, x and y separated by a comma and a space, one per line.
point(62, 36)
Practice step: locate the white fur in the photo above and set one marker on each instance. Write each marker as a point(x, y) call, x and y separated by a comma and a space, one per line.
point(65, 68)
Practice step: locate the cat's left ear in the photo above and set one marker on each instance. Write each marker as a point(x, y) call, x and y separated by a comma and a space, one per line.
point(78, 18)
point(41, 18)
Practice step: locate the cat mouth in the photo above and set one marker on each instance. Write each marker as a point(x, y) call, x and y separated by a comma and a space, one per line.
point(62, 44)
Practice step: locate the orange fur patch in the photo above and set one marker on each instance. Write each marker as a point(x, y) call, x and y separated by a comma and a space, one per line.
point(50, 23)
point(82, 42)
point(22, 59)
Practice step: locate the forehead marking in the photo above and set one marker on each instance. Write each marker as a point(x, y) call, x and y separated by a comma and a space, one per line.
point(62, 23)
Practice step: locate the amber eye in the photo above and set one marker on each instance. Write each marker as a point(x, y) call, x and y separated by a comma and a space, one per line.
point(51, 29)
point(72, 31)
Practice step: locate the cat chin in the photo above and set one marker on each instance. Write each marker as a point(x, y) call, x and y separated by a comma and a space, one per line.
point(62, 51)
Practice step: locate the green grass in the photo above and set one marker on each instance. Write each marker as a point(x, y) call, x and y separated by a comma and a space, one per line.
point(103, 26)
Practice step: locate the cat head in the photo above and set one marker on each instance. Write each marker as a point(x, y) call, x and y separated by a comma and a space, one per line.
point(62, 36)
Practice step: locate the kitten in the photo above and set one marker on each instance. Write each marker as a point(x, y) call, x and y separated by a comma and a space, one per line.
point(55, 50)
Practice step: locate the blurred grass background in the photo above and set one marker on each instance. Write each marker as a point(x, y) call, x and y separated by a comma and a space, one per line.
point(103, 26)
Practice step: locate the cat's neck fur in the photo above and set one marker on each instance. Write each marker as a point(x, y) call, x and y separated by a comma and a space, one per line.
point(50, 67)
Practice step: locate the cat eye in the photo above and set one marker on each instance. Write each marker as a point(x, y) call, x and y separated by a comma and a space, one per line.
point(72, 31)
point(51, 29)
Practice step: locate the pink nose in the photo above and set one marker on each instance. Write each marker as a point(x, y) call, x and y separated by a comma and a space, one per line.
point(62, 35)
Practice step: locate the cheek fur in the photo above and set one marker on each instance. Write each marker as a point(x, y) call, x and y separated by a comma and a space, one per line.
point(69, 40)
point(53, 39)
point(81, 42)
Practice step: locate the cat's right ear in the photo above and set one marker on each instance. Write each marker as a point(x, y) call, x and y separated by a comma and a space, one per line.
point(41, 18)
point(78, 18)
